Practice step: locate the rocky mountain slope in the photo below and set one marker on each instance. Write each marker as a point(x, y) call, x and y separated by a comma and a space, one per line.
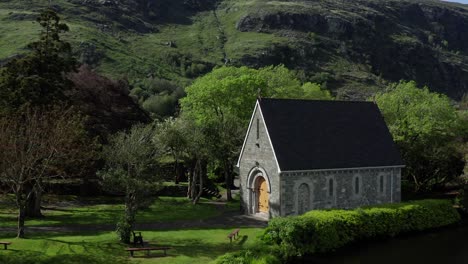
point(353, 47)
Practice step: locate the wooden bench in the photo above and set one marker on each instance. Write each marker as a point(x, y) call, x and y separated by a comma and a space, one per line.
point(147, 249)
point(138, 239)
point(234, 234)
point(5, 244)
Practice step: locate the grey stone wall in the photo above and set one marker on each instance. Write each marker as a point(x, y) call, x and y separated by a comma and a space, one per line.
point(343, 195)
point(258, 157)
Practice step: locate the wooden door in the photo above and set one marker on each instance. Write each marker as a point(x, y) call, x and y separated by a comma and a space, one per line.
point(262, 195)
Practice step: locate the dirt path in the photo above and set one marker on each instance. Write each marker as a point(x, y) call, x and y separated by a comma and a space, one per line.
point(227, 219)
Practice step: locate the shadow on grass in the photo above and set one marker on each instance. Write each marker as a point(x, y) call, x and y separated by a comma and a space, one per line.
point(47, 248)
point(27, 257)
point(91, 211)
point(102, 247)
point(242, 240)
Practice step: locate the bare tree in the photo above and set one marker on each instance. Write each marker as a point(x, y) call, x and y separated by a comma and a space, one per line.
point(33, 143)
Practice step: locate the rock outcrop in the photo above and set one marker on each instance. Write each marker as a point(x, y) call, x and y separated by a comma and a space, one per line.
point(423, 41)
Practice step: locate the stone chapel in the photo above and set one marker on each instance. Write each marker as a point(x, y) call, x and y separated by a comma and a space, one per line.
point(301, 155)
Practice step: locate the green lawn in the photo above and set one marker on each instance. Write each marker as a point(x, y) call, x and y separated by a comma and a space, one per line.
point(189, 246)
point(103, 210)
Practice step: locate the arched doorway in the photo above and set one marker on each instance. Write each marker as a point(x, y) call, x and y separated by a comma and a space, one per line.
point(262, 195)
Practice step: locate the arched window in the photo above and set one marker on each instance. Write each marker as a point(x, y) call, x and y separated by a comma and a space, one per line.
point(356, 185)
point(330, 187)
point(258, 128)
point(303, 197)
point(381, 183)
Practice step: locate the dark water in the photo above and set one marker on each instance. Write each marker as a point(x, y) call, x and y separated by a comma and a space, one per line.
point(449, 245)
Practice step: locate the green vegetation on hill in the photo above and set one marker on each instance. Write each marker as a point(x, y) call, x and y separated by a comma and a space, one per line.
point(353, 47)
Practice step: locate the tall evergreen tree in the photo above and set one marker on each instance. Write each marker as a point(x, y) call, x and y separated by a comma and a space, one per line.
point(38, 78)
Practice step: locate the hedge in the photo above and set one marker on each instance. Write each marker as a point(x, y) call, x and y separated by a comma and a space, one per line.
point(322, 231)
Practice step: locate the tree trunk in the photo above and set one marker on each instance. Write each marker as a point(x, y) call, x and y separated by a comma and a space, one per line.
point(228, 181)
point(21, 218)
point(195, 177)
point(33, 204)
point(190, 181)
point(200, 185)
point(126, 228)
point(176, 178)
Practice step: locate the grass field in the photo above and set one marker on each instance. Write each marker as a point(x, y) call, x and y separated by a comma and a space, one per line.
point(102, 210)
point(189, 246)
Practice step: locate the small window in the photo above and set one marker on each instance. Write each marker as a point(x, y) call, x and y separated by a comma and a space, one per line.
point(356, 185)
point(330, 187)
point(381, 183)
point(258, 128)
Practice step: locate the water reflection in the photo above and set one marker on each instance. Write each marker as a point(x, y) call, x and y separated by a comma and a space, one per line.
point(444, 246)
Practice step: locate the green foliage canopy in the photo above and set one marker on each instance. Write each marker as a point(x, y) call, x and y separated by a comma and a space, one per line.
point(425, 126)
point(130, 169)
point(416, 113)
point(158, 96)
point(233, 91)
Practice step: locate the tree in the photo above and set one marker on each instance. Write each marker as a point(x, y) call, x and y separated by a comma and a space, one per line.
point(185, 140)
point(197, 155)
point(426, 127)
point(208, 96)
point(34, 144)
point(226, 136)
point(173, 136)
point(130, 168)
point(38, 77)
point(313, 90)
point(223, 101)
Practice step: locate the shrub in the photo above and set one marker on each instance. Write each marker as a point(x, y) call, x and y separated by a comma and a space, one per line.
point(321, 231)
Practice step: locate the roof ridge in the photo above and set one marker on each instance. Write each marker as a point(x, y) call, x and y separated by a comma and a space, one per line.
point(312, 100)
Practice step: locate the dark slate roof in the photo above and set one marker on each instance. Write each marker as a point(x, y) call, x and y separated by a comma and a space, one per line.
point(309, 134)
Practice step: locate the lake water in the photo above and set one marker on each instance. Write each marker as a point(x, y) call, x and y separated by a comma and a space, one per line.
point(448, 245)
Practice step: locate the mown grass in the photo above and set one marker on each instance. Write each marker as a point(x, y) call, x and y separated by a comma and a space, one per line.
point(192, 245)
point(102, 211)
point(189, 246)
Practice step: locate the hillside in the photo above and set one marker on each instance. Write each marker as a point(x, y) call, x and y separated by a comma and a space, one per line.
point(353, 47)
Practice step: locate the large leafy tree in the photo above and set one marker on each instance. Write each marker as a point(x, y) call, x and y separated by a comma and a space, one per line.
point(188, 142)
point(222, 103)
point(233, 91)
point(131, 169)
point(426, 127)
point(38, 77)
point(173, 137)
